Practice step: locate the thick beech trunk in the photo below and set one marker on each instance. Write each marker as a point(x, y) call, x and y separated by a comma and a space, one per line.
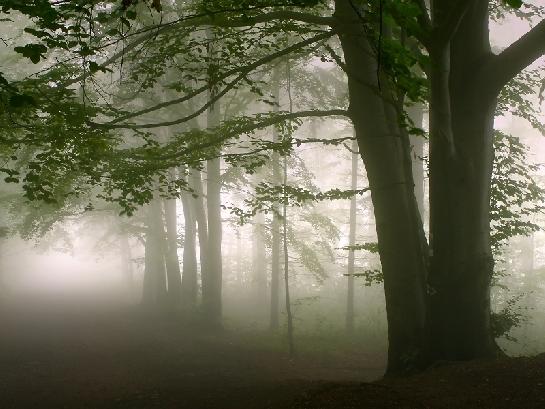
point(461, 156)
point(399, 227)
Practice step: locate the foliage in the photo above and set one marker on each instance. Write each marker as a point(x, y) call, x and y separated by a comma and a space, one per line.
point(515, 195)
point(507, 318)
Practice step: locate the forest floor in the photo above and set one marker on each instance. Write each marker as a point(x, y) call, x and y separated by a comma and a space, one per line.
point(59, 357)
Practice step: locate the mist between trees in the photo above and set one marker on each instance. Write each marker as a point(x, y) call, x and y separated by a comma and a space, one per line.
point(347, 171)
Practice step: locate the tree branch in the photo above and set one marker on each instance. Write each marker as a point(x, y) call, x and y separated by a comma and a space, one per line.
point(523, 52)
point(212, 19)
point(243, 72)
point(273, 120)
point(445, 22)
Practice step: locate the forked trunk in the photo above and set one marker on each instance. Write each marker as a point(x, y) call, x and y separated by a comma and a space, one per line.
point(461, 157)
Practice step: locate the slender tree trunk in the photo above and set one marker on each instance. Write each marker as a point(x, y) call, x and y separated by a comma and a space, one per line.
point(212, 303)
point(352, 241)
point(259, 265)
point(126, 261)
point(399, 226)
point(275, 224)
point(289, 315)
point(171, 253)
point(189, 276)
point(199, 208)
point(155, 284)
point(212, 295)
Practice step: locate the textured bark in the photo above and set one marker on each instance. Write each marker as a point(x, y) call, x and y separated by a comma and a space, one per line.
point(399, 227)
point(461, 156)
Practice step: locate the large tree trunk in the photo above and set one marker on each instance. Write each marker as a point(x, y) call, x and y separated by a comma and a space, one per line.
point(461, 156)
point(399, 226)
point(352, 241)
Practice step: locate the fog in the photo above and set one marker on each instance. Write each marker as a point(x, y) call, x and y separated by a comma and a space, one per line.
point(313, 204)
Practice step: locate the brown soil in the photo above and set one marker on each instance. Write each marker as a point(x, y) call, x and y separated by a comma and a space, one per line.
point(69, 358)
point(505, 383)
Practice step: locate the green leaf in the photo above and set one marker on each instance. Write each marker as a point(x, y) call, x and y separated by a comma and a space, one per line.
point(32, 51)
point(94, 67)
point(514, 3)
point(21, 100)
point(131, 14)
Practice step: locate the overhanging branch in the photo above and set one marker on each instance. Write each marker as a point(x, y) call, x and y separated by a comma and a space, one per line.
point(523, 52)
point(251, 127)
point(242, 71)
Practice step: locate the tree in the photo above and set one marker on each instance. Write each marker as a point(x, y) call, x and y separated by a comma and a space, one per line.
point(438, 303)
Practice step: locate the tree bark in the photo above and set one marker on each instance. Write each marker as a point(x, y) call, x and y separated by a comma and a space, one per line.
point(461, 156)
point(398, 223)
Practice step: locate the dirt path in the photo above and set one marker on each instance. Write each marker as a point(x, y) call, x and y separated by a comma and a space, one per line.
point(66, 358)
point(77, 358)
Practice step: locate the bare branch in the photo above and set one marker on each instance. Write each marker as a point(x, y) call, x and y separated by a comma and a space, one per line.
point(243, 72)
point(273, 120)
point(523, 52)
